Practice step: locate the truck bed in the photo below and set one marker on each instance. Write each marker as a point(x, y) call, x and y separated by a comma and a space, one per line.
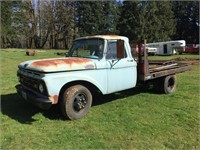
point(152, 69)
point(155, 66)
point(162, 68)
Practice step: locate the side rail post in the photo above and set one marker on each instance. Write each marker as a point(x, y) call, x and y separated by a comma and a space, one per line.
point(143, 64)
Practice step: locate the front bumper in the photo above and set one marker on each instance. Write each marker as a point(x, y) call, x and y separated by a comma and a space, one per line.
point(39, 100)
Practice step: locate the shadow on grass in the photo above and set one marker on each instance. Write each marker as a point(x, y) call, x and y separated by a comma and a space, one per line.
point(16, 108)
point(102, 99)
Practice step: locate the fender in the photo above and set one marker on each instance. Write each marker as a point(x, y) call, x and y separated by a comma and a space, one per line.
point(54, 82)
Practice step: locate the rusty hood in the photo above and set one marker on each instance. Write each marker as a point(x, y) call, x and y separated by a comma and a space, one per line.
point(58, 64)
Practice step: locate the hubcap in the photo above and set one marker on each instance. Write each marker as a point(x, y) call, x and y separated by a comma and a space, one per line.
point(80, 102)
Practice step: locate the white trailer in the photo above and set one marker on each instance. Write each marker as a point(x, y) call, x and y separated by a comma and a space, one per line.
point(168, 47)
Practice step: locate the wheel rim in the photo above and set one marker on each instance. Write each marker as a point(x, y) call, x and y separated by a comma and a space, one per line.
point(80, 101)
point(171, 83)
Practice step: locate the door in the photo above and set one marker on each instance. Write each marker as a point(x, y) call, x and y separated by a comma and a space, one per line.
point(121, 73)
point(165, 48)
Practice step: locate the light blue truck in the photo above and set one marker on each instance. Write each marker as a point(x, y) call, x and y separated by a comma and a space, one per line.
point(95, 64)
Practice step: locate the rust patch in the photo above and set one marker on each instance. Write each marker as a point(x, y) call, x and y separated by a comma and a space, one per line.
point(54, 99)
point(89, 67)
point(112, 36)
point(56, 62)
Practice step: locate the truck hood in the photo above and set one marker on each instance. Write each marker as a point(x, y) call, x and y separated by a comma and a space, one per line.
point(58, 64)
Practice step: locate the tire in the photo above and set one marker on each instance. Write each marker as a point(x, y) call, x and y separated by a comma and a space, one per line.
point(166, 85)
point(169, 84)
point(76, 102)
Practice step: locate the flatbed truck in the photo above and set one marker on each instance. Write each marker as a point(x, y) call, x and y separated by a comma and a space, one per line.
point(94, 64)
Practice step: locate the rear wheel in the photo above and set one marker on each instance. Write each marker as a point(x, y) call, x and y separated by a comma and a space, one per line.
point(166, 85)
point(76, 102)
point(169, 84)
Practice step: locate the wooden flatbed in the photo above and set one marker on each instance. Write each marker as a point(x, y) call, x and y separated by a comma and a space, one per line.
point(164, 69)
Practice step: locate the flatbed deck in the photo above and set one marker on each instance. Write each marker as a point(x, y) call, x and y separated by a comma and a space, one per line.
point(160, 70)
point(152, 69)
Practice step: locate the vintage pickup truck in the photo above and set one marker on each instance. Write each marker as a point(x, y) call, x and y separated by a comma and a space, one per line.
point(94, 64)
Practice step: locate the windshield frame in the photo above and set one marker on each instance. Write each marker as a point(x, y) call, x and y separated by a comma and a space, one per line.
point(92, 48)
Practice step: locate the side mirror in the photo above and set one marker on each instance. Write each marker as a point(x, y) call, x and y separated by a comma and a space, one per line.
point(120, 49)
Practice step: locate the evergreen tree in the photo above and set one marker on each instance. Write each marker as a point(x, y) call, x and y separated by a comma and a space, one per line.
point(111, 16)
point(128, 22)
point(151, 20)
point(11, 23)
point(161, 23)
point(187, 18)
point(97, 17)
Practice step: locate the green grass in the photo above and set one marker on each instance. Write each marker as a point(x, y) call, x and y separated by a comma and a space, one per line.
point(133, 119)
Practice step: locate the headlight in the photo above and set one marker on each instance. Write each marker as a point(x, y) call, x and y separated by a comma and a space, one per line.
point(41, 88)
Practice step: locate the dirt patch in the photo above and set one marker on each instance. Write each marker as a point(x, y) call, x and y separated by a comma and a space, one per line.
point(188, 60)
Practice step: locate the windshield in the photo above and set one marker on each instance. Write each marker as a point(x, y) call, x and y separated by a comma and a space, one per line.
point(89, 48)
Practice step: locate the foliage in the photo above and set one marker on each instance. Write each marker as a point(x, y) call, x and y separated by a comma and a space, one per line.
point(147, 20)
point(187, 18)
point(55, 24)
point(11, 23)
point(50, 23)
point(132, 119)
point(97, 17)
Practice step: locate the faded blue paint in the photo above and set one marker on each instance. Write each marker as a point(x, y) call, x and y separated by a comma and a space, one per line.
point(108, 75)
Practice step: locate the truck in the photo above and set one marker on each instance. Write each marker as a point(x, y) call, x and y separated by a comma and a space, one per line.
point(192, 49)
point(100, 64)
point(151, 50)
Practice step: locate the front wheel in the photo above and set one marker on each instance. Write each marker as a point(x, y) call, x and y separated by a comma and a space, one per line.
point(76, 102)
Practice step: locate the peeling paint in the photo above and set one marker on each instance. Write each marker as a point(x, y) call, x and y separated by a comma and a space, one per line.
point(54, 99)
point(89, 67)
point(56, 62)
point(61, 64)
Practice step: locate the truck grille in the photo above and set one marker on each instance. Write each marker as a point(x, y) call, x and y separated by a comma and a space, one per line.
point(29, 82)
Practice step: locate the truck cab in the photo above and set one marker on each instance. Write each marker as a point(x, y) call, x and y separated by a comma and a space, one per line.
point(112, 58)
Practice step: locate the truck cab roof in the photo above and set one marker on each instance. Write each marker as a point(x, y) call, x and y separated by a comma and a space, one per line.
point(106, 37)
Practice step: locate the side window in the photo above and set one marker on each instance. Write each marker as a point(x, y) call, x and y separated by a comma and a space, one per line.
point(112, 50)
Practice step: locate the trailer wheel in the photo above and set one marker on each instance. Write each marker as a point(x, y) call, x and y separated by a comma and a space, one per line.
point(76, 102)
point(169, 84)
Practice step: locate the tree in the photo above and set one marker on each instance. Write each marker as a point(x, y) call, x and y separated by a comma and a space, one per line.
point(151, 20)
point(11, 23)
point(187, 20)
point(129, 19)
point(49, 24)
point(37, 23)
point(161, 23)
point(55, 23)
point(97, 17)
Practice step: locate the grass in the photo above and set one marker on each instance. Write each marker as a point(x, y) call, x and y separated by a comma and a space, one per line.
point(132, 119)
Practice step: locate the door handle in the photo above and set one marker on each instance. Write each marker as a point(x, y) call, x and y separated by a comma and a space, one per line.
point(130, 60)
